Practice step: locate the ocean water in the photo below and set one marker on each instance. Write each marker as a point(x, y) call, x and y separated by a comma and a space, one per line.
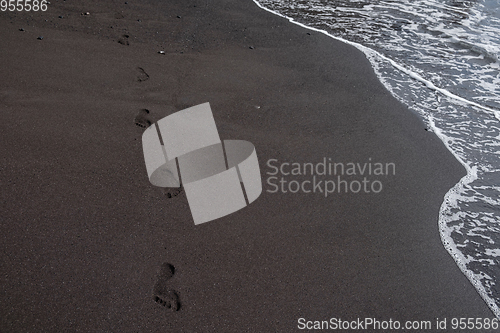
point(441, 59)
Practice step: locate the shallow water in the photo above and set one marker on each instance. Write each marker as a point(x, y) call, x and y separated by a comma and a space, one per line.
point(441, 58)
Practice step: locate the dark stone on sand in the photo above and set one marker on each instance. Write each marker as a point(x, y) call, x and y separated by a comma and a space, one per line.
point(60, 16)
point(40, 37)
point(251, 47)
point(21, 29)
point(178, 16)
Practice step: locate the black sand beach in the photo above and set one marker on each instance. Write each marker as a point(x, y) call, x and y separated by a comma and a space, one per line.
point(84, 234)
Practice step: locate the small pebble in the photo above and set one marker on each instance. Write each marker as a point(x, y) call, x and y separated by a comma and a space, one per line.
point(309, 33)
point(251, 47)
point(40, 37)
point(21, 29)
point(139, 20)
point(60, 16)
point(178, 16)
point(161, 52)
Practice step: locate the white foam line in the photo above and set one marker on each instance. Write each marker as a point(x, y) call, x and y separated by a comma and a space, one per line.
point(367, 50)
point(446, 239)
point(471, 171)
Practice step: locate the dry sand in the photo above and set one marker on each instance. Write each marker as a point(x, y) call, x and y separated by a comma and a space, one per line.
point(84, 234)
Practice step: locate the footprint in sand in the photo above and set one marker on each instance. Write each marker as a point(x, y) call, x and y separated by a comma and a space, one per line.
point(171, 192)
point(162, 294)
point(142, 119)
point(142, 75)
point(124, 40)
